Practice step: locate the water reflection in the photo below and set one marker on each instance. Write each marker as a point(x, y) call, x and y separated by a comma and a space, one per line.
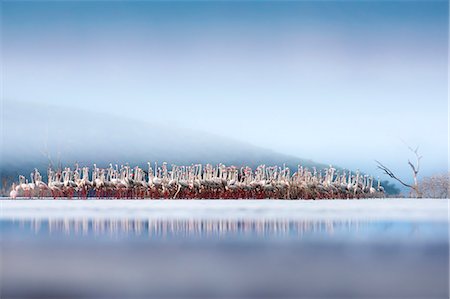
point(217, 229)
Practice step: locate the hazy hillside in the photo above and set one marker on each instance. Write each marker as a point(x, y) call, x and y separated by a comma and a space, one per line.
point(34, 136)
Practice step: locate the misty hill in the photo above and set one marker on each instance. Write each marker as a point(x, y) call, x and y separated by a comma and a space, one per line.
point(34, 136)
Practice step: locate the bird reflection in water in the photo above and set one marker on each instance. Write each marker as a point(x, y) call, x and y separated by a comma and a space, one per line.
point(187, 228)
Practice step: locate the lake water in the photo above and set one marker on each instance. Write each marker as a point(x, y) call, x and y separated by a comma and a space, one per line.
point(381, 248)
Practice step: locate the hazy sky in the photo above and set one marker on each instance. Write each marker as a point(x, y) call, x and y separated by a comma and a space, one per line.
point(335, 81)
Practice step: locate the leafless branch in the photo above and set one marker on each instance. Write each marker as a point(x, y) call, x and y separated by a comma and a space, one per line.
point(391, 174)
point(414, 167)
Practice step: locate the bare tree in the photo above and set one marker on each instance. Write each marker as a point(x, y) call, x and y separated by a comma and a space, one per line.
point(436, 186)
point(415, 170)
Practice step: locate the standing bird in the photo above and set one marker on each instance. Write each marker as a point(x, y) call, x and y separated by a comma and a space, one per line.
point(13, 194)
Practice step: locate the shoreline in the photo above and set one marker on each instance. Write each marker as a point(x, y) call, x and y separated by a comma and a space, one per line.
point(435, 210)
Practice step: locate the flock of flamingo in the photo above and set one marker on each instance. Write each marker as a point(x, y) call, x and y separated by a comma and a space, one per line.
point(197, 182)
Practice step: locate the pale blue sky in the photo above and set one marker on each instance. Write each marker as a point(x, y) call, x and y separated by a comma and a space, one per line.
point(335, 81)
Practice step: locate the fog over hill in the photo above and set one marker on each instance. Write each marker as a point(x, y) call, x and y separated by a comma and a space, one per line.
point(34, 136)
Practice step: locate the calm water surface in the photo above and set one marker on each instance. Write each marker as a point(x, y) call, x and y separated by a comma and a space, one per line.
point(135, 249)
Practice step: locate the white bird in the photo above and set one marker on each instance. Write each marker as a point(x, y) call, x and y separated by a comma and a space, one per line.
point(13, 194)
